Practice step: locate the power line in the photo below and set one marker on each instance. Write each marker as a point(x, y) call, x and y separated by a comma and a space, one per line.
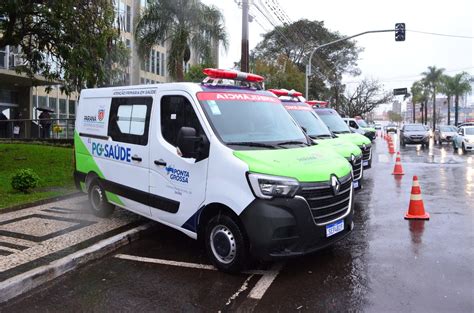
point(437, 34)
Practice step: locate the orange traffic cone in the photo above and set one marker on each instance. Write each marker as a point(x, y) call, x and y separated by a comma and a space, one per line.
point(391, 149)
point(416, 209)
point(398, 170)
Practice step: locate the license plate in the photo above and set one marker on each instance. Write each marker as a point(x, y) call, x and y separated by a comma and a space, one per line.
point(334, 228)
point(355, 184)
point(366, 163)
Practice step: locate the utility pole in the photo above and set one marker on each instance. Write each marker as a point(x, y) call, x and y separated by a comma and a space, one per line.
point(244, 59)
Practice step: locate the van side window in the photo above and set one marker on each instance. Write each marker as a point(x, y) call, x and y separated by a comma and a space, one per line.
point(353, 124)
point(130, 120)
point(176, 112)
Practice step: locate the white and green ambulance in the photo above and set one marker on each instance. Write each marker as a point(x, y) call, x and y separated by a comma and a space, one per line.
point(222, 161)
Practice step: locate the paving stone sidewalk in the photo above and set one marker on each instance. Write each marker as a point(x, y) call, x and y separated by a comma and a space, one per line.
point(38, 235)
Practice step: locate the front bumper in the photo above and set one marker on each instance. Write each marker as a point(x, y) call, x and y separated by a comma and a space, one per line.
point(281, 228)
point(409, 140)
point(469, 146)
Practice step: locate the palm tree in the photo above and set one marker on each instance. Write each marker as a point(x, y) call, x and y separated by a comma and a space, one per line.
point(185, 24)
point(460, 86)
point(447, 89)
point(420, 94)
point(433, 78)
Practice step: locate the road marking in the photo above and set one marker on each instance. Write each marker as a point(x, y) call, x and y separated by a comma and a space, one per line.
point(165, 262)
point(265, 281)
point(180, 264)
point(242, 288)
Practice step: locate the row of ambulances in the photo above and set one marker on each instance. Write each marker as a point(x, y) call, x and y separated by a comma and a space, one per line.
point(222, 161)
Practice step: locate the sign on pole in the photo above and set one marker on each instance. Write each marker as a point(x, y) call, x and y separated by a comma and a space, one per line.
point(400, 91)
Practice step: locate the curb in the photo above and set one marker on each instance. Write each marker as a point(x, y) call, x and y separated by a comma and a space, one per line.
point(41, 202)
point(24, 282)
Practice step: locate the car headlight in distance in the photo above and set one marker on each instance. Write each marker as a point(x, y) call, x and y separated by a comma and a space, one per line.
point(268, 187)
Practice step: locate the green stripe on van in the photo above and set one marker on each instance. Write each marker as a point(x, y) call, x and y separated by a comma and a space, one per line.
point(85, 163)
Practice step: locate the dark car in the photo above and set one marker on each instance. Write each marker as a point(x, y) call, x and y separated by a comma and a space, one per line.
point(391, 128)
point(414, 134)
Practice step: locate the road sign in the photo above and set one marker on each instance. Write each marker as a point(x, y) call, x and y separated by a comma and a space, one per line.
point(400, 91)
point(400, 32)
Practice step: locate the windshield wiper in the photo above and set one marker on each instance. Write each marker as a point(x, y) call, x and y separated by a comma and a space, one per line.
point(340, 132)
point(252, 144)
point(320, 136)
point(292, 142)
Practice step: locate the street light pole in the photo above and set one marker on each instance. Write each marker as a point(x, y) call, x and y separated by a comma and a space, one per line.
point(308, 68)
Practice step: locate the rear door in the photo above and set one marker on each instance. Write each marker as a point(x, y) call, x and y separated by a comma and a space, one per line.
point(177, 184)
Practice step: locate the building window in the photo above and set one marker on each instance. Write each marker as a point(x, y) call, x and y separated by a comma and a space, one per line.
point(142, 81)
point(158, 61)
point(152, 61)
point(42, 102)
point(72, 107)
point(163, 64)
point(62, 106)
point(129, 19)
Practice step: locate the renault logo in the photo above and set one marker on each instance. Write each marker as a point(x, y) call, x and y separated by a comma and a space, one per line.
point(352, 158)
point(364, 146)
point(336, 185)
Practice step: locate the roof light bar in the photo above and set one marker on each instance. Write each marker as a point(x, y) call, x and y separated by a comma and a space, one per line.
point(234, 75)
point(284, 92)
point(317, 102)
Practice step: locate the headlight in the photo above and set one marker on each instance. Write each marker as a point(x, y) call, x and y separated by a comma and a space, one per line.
point(467, 140)
point(268, 187)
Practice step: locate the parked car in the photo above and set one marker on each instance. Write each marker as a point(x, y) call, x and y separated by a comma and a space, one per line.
point(414, 134)
point(361, 126)
point(378, 126)
point(444, 133)
point(464, 139)
point(391, 128)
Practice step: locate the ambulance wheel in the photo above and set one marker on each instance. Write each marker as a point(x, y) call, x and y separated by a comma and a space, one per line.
point(98, 200)
point(226, 244)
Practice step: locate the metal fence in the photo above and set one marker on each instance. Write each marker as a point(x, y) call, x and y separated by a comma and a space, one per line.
point(54, 128)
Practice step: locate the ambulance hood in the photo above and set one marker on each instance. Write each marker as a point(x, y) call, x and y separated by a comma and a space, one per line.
point(308, 164)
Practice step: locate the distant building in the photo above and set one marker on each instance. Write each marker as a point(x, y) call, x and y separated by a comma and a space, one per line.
point(397, 107)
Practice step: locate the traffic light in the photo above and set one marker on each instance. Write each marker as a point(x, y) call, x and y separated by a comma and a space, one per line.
point(399, 31)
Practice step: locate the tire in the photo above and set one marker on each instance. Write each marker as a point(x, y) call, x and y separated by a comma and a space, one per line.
point(98, 200)
point(226, 244)
point(402, 142)
point(463, 147)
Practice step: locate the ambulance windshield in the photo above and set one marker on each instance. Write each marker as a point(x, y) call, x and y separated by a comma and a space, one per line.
point(304, 115)
point(251, 119)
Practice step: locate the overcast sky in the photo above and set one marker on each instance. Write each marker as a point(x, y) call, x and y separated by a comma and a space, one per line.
point(396, 64)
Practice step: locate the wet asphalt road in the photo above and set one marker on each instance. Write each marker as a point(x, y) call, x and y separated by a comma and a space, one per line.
point(387, 264)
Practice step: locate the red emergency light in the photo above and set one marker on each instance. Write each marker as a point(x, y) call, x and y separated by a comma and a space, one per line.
point(317, 103)
point(234, 75)
point(283, 93)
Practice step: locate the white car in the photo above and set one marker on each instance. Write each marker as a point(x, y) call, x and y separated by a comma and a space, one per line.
point(464, 139)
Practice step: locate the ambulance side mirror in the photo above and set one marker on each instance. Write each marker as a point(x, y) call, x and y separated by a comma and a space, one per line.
point(188, 142)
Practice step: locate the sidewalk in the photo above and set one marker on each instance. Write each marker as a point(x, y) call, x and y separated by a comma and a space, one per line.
point(35, 237)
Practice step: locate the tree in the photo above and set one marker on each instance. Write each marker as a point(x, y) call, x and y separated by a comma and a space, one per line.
point(297, 40)
point(433, 78)
point(69, 41)
point(281, 73)
point(394, 117)
point(185, 23)
point(460, 86)
point(367, 96)
point(447, 89)
point(420, 94)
